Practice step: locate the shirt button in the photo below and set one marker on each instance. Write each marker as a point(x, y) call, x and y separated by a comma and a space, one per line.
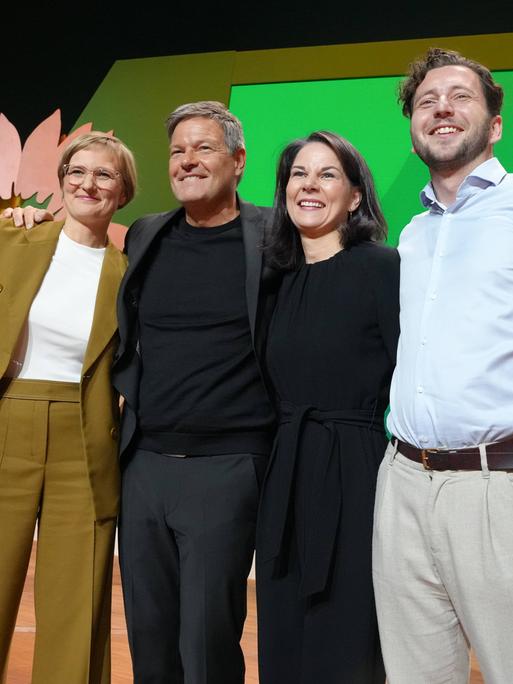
point(433, 296)
point(423, 342)
point(420, 389)
point(423, 439)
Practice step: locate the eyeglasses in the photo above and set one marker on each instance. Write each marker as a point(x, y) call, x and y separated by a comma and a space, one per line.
point(103, 178)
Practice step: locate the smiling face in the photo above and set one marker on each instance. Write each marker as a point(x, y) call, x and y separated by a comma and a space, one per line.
point(87, 203)
point(319, 195)
point(202, 172)
point(451, 127)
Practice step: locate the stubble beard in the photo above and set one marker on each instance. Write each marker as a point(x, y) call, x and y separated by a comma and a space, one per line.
point(468, 149)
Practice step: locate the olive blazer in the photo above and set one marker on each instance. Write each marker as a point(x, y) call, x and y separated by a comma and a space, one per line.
point(25, 256)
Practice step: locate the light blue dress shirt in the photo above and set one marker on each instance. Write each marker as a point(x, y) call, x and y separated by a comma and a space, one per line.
point(453, 383)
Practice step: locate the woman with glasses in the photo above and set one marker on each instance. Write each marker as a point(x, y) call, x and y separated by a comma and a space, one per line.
point(330, 356)
point(59, 415)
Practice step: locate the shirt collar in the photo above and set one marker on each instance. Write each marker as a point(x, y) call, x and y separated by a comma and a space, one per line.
point(490, 172)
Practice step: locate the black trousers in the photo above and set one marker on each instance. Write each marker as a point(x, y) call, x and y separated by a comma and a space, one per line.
point(332, 636)
point(186, 536)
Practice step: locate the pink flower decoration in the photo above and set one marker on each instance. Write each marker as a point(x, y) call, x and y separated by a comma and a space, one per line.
point(10, 154)
point(33, 170)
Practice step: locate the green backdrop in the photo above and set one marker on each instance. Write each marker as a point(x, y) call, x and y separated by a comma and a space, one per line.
point(279, 95)
point(365, 111)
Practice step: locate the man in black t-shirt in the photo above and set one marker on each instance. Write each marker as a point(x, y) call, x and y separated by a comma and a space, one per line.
point(197, 422)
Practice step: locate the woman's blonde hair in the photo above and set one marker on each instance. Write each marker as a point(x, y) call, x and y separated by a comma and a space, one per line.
point(124, 158)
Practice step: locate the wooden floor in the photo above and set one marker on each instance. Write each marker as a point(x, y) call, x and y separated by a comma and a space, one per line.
point(23, 642)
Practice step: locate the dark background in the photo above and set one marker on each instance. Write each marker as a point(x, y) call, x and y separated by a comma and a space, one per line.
point(56, 56)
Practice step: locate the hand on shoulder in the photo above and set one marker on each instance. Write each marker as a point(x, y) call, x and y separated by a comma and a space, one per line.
point(26, 217)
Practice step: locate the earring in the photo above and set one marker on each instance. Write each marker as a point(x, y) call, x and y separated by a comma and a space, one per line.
point(349, 216)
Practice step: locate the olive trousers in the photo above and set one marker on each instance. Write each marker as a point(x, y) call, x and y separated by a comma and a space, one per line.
point(44, 482)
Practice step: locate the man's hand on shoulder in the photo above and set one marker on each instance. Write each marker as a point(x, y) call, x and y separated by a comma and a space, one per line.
point(26, 217)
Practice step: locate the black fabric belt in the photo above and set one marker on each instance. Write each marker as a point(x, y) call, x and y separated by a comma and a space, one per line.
point(499, 456)
point(277, 507)
point(199, 444)
point(204, 455)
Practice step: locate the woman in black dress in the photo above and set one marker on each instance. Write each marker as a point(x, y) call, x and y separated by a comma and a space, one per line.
point(331, 352)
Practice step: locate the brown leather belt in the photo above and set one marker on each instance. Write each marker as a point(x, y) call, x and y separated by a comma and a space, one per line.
point(499, 457)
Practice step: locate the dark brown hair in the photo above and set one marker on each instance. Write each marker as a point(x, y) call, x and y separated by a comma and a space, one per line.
point(436, 58)
point(367, 222)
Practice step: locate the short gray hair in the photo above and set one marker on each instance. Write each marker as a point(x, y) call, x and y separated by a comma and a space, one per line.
point(210, 109)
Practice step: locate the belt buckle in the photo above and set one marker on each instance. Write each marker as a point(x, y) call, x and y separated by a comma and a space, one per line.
point(424, 454)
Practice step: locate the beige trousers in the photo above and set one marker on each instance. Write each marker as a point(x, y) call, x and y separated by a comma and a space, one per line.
point(443, 572)
point(44, 480)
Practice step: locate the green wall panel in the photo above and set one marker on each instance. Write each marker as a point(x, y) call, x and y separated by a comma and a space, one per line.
point(137, 95)
point(366, 112)
point(134, 100)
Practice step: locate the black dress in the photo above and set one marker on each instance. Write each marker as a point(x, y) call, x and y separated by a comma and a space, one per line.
point(331, 353)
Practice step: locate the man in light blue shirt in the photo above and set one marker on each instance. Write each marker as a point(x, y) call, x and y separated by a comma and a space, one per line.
point(443, 542)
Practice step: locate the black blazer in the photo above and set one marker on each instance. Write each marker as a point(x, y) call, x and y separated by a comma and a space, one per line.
point(261, 286)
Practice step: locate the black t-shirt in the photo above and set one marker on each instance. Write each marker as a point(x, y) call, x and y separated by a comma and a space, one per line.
point(201, 390)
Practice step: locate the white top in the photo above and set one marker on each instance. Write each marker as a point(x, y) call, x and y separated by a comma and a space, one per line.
point(61, 315)
point(453, 383)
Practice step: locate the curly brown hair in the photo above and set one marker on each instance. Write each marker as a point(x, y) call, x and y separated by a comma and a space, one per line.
point(436, 58)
